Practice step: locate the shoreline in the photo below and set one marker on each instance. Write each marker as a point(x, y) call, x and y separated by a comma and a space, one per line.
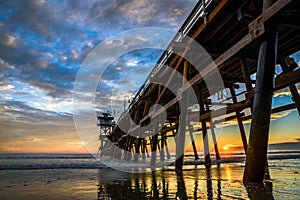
point(221, 181)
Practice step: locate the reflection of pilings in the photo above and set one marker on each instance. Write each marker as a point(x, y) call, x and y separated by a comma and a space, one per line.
point(196, 187)
point(154, 186)
point(161, 185)
point(165, 187)
point(261, 113)
point(219, 190)
point(209, 184)
point(260, 191)
point(181, 190)
point(239, 120)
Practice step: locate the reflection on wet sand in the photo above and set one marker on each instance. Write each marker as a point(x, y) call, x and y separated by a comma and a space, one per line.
point(260, 191)
point(195, 182)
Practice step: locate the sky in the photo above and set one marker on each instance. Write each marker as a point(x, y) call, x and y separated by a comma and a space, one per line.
point(42, 46)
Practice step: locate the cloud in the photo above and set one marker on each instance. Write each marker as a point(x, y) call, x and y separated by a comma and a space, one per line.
point(10, 41)
point(24, 127)
point(38, 43)
point(42, 45)
point(74, 54)
point(140, 11)
point(285, 91)
point(276, 116)
point(6, 87)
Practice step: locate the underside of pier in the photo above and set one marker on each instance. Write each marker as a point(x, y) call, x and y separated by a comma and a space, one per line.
point(246, 40)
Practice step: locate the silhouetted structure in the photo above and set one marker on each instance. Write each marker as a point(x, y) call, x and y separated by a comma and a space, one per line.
point(106, 123)
point(245, 39)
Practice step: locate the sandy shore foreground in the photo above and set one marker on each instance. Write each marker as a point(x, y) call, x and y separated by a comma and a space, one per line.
point(222, 181)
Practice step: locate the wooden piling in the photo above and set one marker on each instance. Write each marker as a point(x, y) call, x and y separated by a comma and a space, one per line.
point(128, 154)
point(137, 149)
point(190, 127)
point(212, 129)
point(167, 150)
point(239, 120)
point(213, 135)
point(162, 147)
point(261, 111)
point(204, 129)
point(180, 138)
point(154, 148)
point(246, 75)
point(144, 143)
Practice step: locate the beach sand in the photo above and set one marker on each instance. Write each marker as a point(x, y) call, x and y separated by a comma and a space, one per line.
point(223, 181)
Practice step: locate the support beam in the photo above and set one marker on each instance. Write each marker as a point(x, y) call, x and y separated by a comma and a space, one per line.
point(296, 97)
point(137, 149)
point(137, 140)
point(162, 147)
point(128, 154)
point(239, 120)
point(181, 189)
point(167, 150)
point(213, 134)
point(275, 110)
point(204, 130)
point(247, 78)
point(154, 148)
point(193, 142)
point(288, 79)
point(180, 137)
point(172, 129)
point(144, 146)
point(261, 113)
point(211, 16)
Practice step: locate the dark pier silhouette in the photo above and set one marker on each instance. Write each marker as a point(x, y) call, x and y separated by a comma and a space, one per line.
point(246, 40)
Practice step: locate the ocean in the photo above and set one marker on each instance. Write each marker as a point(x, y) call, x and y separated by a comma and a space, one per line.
point(81, 176)
point(87, 161)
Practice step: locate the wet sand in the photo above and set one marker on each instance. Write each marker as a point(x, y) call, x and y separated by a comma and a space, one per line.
point(223, 181)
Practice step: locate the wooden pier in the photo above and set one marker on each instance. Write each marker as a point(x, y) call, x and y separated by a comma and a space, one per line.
point(243, 38)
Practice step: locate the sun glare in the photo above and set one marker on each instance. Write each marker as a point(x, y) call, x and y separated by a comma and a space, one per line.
point(230, 147)
point(225, 148)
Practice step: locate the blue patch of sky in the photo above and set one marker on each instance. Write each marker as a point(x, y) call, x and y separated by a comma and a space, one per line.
point(6, 13)
point(296, 56)
point(90, 32)
point(281, 100)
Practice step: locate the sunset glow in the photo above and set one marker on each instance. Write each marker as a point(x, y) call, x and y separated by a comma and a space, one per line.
point(225, 148)
point(38, 66)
